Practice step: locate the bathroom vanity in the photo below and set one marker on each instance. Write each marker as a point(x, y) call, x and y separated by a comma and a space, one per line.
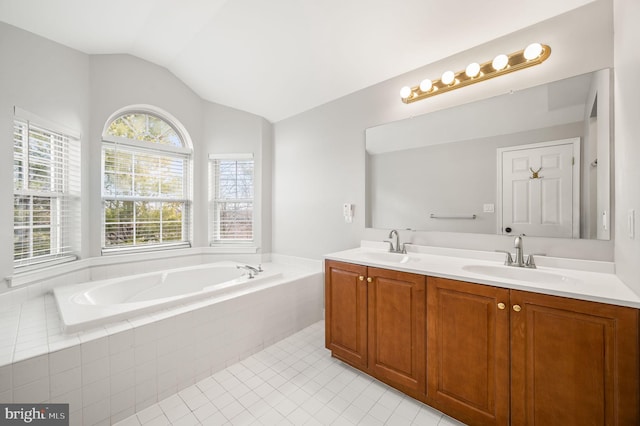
point(486, 343)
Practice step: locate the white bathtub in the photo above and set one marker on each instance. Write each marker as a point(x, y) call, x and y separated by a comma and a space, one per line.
point(100, 302)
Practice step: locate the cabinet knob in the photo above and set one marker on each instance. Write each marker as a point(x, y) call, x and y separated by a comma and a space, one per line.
point(361, 278)
point(369, 279)
point(517, 308)
point(501, 305)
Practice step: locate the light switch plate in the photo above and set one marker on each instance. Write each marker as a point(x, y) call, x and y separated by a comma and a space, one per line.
point(488, 208)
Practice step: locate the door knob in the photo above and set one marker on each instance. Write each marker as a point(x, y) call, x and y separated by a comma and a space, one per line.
point(369, 279)
point(501, 305)
point(361, 278)
point(517, 308)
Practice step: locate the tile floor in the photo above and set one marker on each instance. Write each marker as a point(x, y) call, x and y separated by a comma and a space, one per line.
point(294, 382)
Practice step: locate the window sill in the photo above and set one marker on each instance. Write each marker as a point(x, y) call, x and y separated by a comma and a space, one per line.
point(144, 249)
point(26, 277)
point(31, 273)
point(231, 249)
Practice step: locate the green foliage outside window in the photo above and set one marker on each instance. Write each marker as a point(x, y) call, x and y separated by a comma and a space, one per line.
point(144, 190)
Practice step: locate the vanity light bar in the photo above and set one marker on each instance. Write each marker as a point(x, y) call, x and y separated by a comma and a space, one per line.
point(534, 54)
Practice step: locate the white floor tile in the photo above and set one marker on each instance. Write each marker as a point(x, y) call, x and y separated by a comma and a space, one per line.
point(158, 421)
point(205, 411)
point(149, 413)
point(448, 421)
point(427, 416)
point(292, 382)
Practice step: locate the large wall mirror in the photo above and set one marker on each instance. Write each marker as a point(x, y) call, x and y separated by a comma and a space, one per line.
point(536, 161)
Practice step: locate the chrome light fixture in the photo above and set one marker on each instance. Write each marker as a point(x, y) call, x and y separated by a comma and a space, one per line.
point(533, 54)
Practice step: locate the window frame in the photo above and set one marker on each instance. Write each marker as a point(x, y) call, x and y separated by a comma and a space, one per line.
point(183, 153)
point(63, 194)
point(213, 200)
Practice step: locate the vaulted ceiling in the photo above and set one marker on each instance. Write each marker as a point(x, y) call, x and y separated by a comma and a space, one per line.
point(278, 58)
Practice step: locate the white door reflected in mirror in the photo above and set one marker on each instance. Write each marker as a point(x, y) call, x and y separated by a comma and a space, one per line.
point(539, 187)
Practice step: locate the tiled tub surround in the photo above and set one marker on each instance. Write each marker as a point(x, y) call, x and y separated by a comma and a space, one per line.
point(104, 301)
point(109, 372)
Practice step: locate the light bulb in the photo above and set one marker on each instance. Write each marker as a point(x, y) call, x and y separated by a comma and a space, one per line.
point(426, 85)
point(448, 77)
point(473, 69)
point(532, 51)
point(500, 62)
point(405, 92)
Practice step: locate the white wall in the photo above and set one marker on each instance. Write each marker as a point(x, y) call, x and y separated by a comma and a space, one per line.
point(121, 80)
point(231, 131)
point(118, 81)
point(627, 133)
point(52, 82)
point(319, 158)
point(81, 91)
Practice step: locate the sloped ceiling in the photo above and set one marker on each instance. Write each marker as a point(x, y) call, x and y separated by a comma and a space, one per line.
point(278, 58)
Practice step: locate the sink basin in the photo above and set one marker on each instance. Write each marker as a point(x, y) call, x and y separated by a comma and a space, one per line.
point(387, 257)
point(522, 274)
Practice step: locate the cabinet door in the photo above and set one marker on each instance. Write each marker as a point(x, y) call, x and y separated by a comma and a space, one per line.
point(468, 351)
point(573, 362)
point(346, 312)
point(397, 329)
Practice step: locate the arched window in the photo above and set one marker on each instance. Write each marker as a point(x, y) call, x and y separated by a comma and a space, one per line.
point(146, 181)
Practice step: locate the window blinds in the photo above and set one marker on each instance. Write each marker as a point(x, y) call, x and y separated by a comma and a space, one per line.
point(145, 196)
point(46, 189)
point(231, 198)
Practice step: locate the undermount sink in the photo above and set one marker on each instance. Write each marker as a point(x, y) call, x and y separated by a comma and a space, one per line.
point(522, 274)
point(387, 257)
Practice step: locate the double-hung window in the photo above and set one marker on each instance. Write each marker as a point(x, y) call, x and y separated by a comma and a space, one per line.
point(146, 179)
point(231, 199)
point(46, 194)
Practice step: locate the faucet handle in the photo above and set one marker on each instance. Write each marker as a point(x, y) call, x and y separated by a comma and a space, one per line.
point(390, 245)
point(530, 263)
point(508, 260)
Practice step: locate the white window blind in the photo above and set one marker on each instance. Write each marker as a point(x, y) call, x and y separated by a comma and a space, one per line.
point(46, 194)
point(145, 192)
point(231, 198)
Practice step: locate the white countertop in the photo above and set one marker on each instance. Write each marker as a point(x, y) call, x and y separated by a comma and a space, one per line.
point(578, 279)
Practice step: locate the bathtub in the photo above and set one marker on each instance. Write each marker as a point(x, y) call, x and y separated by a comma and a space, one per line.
point(95, 303)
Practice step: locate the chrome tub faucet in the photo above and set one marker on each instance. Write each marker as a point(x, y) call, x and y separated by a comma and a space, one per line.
point(252, 271)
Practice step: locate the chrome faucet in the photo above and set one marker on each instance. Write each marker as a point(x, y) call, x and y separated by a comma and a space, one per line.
point(252, 271)
point(397, 248)
point(517, 244)
point(520, 262)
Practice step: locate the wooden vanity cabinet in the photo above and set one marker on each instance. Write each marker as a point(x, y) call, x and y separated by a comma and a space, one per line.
point(573, 362)
point(375, 321)
point(487, 355)
point(346, 312)
point(397, 329)
point(497, 357)
point(468, 351)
